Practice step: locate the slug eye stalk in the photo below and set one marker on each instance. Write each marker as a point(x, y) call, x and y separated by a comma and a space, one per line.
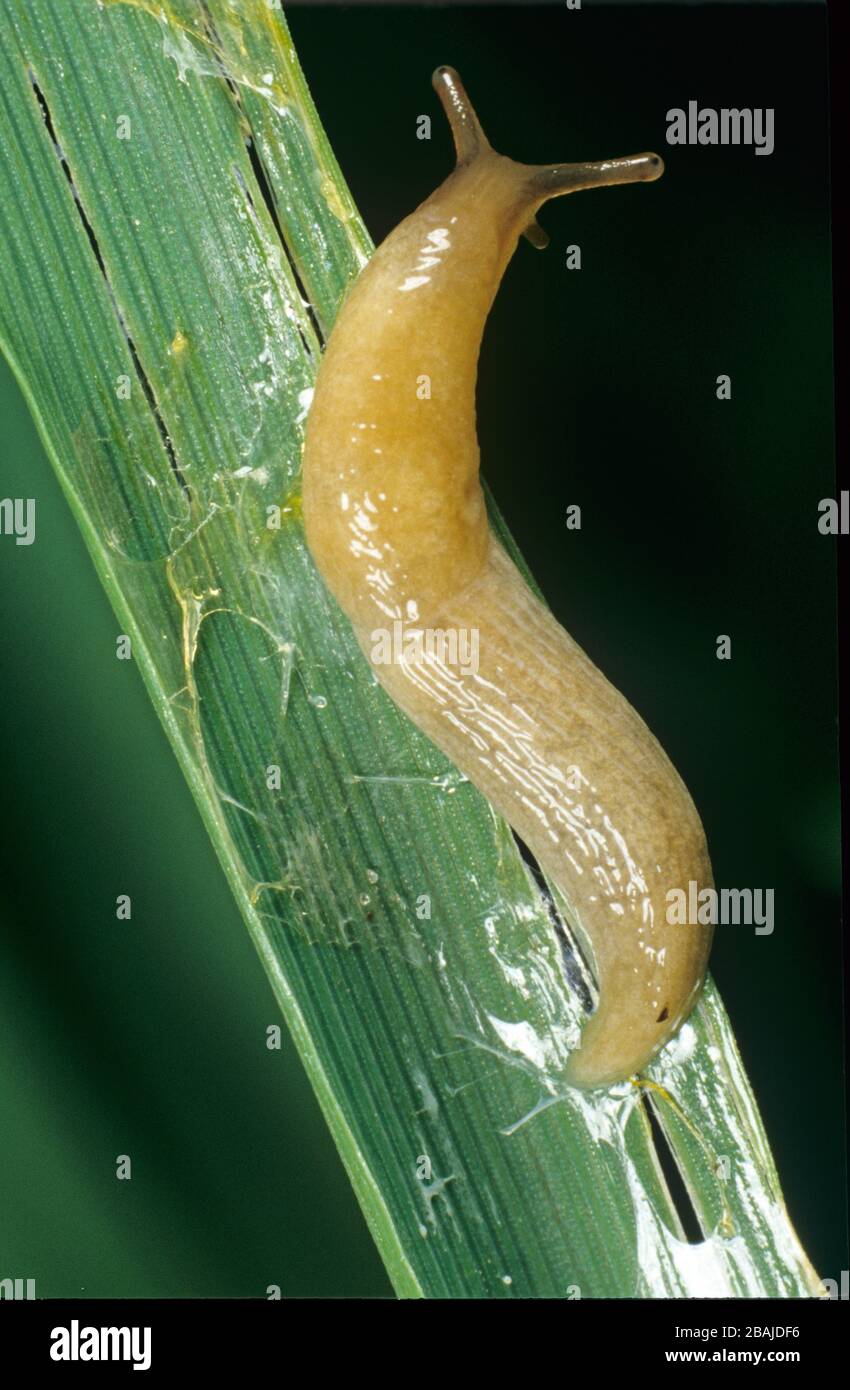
point(536, 183)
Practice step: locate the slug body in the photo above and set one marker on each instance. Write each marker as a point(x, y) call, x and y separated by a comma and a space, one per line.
point(396, 521)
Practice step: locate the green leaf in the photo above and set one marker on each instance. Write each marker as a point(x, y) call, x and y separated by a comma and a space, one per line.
point(176, 240)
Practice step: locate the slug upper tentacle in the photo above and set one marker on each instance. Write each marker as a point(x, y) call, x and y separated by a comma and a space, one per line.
point(396, 522)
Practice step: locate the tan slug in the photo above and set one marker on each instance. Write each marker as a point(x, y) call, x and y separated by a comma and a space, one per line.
point(396, 522)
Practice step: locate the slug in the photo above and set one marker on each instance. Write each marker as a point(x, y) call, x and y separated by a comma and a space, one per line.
point(395, 520)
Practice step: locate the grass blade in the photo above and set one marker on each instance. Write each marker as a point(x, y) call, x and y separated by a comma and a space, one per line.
point(170, 205)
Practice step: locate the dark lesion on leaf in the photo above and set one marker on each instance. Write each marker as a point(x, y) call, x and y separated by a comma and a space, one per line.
point(144, 381)
point(263, 186)
point(576, 968)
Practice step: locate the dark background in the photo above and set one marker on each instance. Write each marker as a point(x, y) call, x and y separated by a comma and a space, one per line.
point(699, 518)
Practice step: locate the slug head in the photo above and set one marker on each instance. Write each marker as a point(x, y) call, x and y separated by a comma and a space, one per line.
point(531, 185)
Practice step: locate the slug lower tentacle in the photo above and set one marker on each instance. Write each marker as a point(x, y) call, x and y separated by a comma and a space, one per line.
point(396, 521)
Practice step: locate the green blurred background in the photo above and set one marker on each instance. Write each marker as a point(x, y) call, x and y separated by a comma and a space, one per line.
point(699, 518)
